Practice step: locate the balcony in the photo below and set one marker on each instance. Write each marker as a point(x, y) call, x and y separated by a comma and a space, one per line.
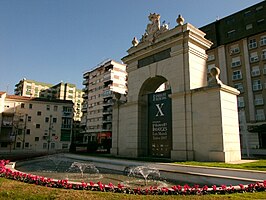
point(83, 123)
point(85, 96)
point(7, 123)
point(107, 93)
point(107, 121)
point(85, 82)
point(84, 109)
point(107, 112)
point(107, 77)
point(108, 103)
point(66, 126)
point(84, 89)
point(86, 75)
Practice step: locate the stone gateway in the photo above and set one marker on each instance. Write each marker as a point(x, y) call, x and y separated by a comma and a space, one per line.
point(190, 118)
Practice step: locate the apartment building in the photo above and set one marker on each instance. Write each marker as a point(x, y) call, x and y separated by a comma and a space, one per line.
point(63, 91)
point(239, 50)
point(101, 84)
point(35, 124)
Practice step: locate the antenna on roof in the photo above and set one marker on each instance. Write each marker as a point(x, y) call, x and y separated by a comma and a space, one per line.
point(7, 86)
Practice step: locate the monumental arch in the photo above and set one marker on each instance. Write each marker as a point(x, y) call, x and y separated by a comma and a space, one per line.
point(192, 119)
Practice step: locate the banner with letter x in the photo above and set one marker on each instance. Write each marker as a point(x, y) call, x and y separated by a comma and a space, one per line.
point(160, 124)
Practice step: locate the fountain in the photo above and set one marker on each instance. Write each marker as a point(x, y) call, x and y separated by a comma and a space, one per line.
point(144, 172)
point(150, 174)
point(56, 160)
point(75, 170)
point(83, 171)
point(81, 166)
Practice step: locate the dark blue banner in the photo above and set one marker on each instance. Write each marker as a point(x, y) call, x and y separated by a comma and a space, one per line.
point(160, 124)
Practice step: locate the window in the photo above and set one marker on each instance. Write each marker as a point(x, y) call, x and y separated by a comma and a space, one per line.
point(263, 40)
point(30, 106)
point(231, 33)
point(249, 26)
point(264, 69)
point(46, 119)
point(22, 105)
point(237, 75)
point(259, 8)
point(44, 146)
point(256, 85)
point(27, 145)
point(252, 44)
point(260, 116)
point(258, 99)
point(4, 144)
point(210, 58)
point(230, 21)
point(234, 49)
point(38, 126)
point(39, 113)
point(263, 55)
point(240, 87)
point(247, 13)
point(54, 120)
point(67, 109)
point(255, 71)
point(29, 118)
point(260, 22)
point(55, 108)
point(37, 139)
point(240, 102)
point(28, 132)
point(47, 107)
point(235, 62)
point(19, 131)
point(66, 122)
point(254, 57)
point(18, 144)
point(52, 145)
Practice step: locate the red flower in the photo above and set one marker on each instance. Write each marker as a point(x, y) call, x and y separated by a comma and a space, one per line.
point(214, 187)
point(120, 186)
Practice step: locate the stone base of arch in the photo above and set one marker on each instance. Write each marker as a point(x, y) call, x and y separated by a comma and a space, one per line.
point(208, 132)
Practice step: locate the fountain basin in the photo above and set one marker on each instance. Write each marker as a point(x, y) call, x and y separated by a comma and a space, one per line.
point(175, 173)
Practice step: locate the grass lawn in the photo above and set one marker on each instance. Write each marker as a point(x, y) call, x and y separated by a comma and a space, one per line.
point(11, 189)
point(257, 165)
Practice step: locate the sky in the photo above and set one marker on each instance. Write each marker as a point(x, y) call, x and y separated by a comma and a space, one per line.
point(58, 40)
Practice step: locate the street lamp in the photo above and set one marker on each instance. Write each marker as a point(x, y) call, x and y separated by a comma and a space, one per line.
point(49, 132)
point(24, 131)
point(117, 96)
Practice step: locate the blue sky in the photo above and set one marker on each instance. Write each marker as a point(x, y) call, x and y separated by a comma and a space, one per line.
point(57, 40)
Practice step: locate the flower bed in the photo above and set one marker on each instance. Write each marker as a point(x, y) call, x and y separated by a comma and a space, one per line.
point(174, 190)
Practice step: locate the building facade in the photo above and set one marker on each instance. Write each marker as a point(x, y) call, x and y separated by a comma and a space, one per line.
point(239, 50)
point(63, 91)
point(101, 84)
point(35, 124)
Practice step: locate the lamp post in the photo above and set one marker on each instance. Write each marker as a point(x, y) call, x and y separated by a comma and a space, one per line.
point(24, 131)
point(49, 133)
point(117, 96)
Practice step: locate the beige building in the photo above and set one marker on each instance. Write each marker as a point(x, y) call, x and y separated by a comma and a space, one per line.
point(63, 91)
point(239, 50)
point(35, 124)
point(101, 83)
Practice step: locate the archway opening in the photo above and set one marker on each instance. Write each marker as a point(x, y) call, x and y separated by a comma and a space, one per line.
point(155, 118)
